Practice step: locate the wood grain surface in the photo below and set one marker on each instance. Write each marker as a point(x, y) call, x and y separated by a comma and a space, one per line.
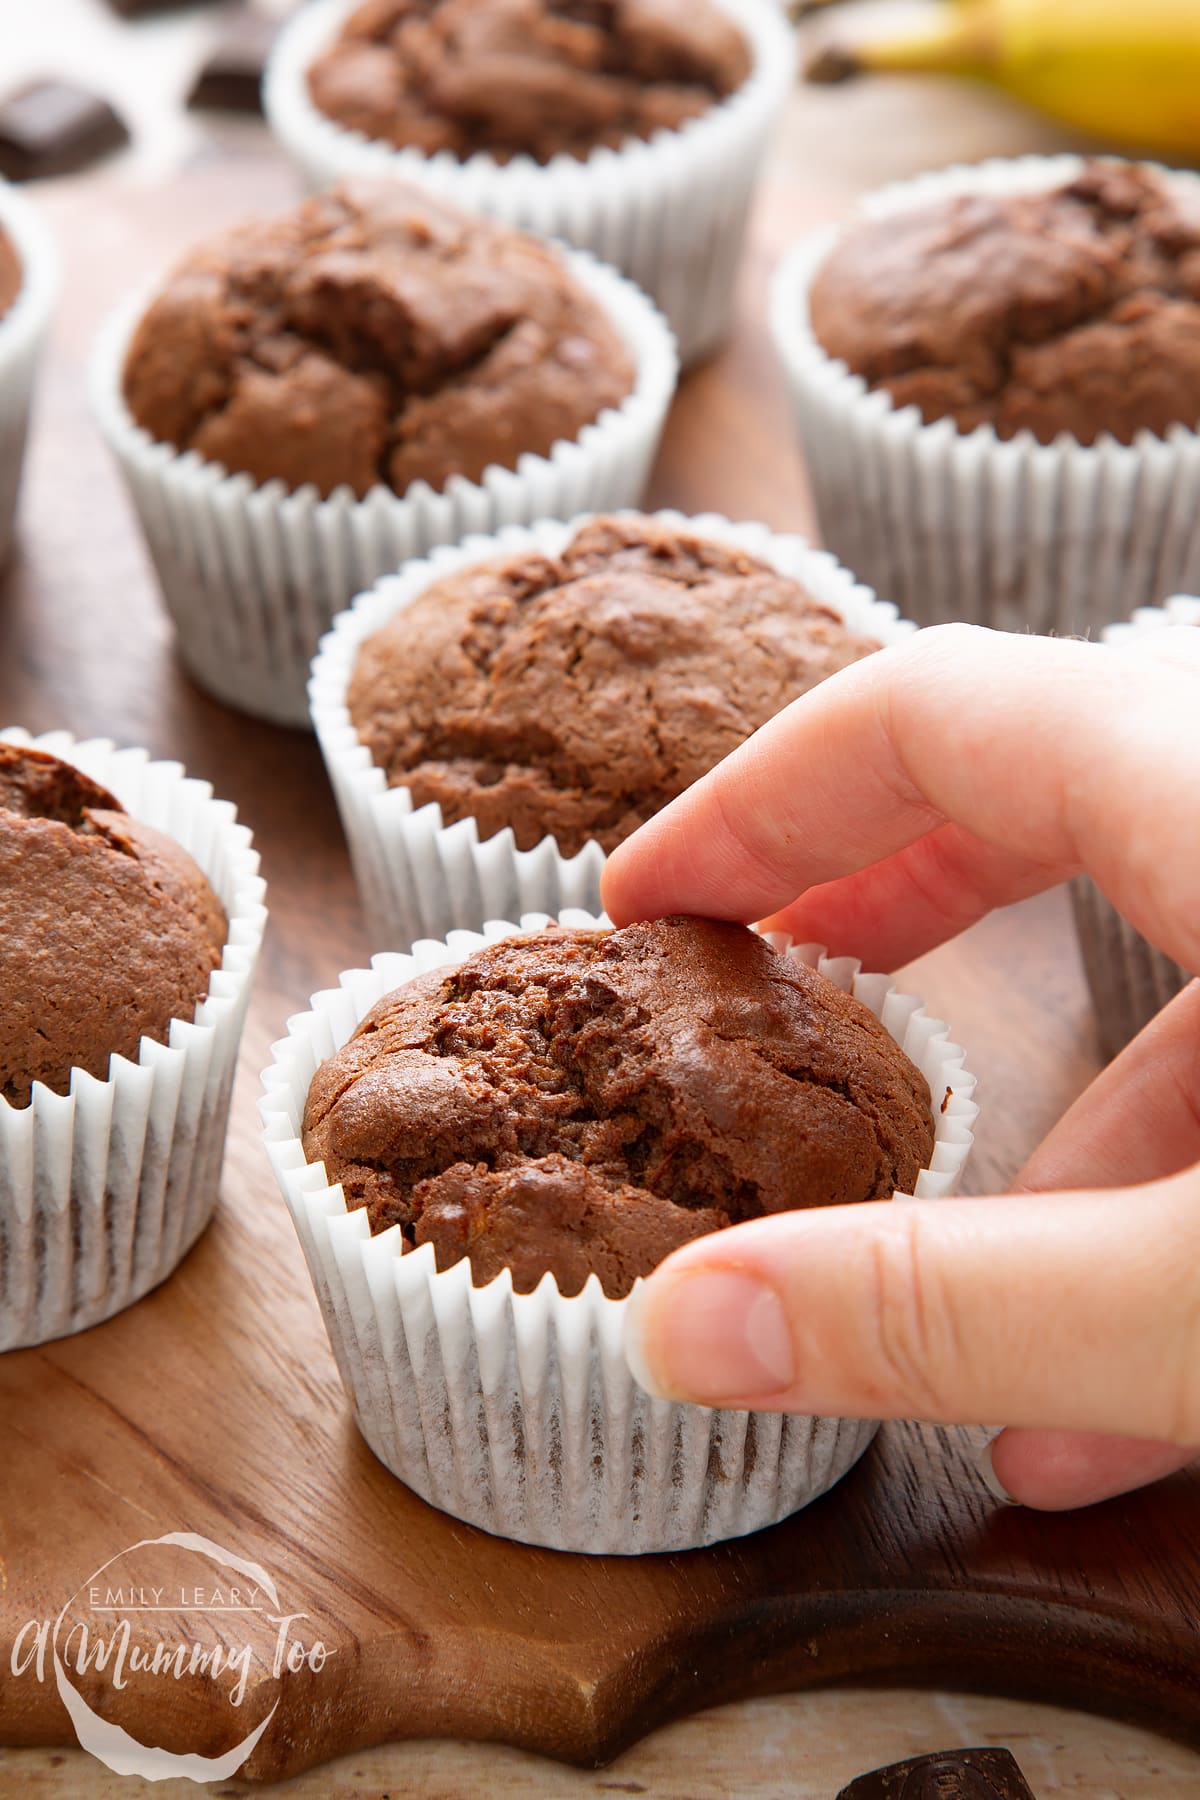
point(214, 1406)
point(803, 1746)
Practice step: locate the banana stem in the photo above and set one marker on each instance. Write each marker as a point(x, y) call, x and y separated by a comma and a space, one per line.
point(961, 42)
point(832, 63)
point(802, 9)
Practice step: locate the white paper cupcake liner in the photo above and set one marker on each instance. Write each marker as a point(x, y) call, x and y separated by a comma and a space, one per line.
point(518, 1412)
point(419, 878)
point(252, 575)
point(1129, 980)
point(23, 331)
point(104, 1189)
point(1009, 533)
point(671, 211)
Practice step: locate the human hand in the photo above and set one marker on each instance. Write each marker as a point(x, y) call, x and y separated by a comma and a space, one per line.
point(880, 815)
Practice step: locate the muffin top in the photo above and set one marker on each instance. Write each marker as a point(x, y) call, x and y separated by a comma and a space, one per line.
point(374, 334)
point(10, 273)
point(589, 1100)
point(574, 695)
point(533, 77)
point(108, 929)
point(1072, 310)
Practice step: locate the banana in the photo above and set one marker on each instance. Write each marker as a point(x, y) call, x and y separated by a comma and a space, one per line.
point(1127, 71)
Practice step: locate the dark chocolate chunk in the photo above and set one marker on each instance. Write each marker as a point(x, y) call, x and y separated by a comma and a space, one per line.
point(54, 127)
point(946, 1775)
point(231, 79)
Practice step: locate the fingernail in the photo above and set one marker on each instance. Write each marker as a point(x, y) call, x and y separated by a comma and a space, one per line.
point(991, 1481)
point(718, 1336)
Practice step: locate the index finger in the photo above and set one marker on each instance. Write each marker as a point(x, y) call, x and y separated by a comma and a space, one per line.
point(1055, 753)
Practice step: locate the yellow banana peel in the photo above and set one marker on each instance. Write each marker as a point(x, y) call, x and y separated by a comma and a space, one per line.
point(1126, 71)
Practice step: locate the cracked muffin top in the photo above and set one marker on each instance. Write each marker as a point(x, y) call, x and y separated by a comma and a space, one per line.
point(108, 929)
point(374, 334)
point(580, 1101)
point(574, 695)
point(1075, 310)
point(538, 78)
point(11, 278)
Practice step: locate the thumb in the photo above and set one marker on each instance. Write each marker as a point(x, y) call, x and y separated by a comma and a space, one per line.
point(1076, 1311)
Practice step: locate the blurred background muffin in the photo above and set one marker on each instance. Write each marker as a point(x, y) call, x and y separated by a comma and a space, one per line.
point(526, 77)
point(996, 376)
point(631, 128)
point(374, 336)
point(325, 395)
point(1074, 310)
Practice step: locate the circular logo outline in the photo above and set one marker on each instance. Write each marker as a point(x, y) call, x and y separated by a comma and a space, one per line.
point(115, 1747)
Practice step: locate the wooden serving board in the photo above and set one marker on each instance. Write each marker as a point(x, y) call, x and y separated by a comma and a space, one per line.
point(214, 1407)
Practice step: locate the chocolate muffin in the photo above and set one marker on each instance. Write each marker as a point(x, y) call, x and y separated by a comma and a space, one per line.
point(574, 695)
point(10, 274)
point(375, 334)
point(108, 929)
point(1073, 310)
point(539, 78)
point(580, 1101)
